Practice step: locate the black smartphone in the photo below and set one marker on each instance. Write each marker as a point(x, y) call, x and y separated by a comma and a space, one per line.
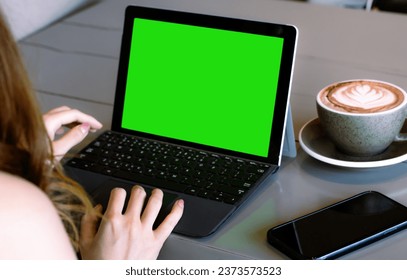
point(340, 228)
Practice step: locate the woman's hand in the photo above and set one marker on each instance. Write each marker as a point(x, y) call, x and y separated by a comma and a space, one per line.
point(129, 235)
point(80, 124)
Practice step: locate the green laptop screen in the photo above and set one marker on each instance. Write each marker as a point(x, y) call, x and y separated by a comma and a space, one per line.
point(202, 85)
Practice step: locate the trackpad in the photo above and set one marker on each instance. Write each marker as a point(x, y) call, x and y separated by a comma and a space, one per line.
point(102, 193)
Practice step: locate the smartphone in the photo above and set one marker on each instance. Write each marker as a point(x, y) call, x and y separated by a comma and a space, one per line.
point(340, 228)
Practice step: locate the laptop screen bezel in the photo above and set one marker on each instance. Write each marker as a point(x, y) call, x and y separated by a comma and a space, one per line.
point(286, 32)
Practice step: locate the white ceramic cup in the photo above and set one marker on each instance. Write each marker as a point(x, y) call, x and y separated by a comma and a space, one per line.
point(362, 117)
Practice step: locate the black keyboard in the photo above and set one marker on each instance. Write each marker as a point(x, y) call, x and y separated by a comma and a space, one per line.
point(168, 166)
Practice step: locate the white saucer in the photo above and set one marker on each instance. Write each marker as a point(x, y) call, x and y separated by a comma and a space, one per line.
point(315, 143)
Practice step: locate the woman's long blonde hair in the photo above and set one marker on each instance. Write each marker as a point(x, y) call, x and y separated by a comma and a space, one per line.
point(25, 148)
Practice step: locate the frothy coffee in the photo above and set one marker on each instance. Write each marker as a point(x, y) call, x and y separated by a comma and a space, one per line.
point(362, 96)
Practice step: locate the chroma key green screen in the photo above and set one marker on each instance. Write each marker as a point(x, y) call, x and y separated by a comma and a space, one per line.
point(202, 85)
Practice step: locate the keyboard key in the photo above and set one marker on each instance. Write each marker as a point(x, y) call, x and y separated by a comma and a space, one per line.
point(232, 190)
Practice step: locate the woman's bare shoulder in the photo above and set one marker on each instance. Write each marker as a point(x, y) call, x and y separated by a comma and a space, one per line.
point(31, 227)
point(11, 184)
point(17, 192)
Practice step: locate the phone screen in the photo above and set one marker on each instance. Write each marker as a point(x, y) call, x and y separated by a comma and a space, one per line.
point(340, 228)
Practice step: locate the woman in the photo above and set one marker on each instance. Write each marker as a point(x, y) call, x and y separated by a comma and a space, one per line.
point(43, 214)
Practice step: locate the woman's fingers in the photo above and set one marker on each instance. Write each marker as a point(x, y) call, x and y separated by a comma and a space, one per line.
point(79, 123)
point(168, 224)
point(136, 201)
point(152, 208)
point(62, 116)
point(67, 117)
point(70, 139)
point(149, 215)
point(130, 235)
point(116, 202)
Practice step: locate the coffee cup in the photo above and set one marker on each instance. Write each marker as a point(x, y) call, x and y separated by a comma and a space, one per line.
point(362, 117)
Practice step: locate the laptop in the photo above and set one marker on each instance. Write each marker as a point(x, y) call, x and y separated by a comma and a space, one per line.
point(200, 111)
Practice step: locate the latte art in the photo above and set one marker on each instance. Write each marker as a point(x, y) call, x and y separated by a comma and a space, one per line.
point(362, 97)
